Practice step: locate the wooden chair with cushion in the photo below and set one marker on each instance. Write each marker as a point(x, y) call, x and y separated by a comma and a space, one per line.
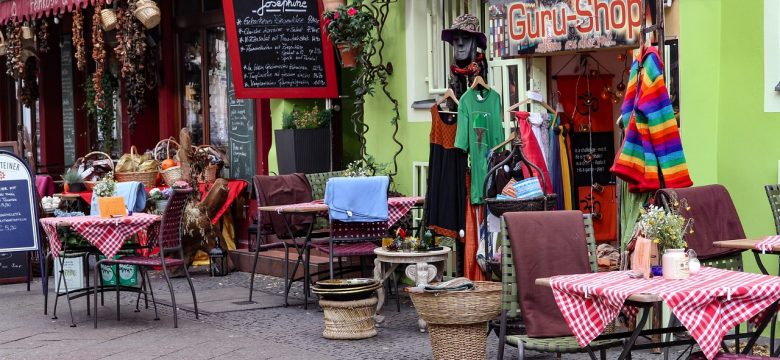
point(510, 308)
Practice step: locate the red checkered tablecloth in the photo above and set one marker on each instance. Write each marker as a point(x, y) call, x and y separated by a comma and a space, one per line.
point(708, 304)
point(397, 207)
point(768, 243)
point(106, 234)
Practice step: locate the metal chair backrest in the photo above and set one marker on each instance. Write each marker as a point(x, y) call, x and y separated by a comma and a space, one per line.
point(773, 195)
point(318, 181)
point(169, 236)
point(509, 292)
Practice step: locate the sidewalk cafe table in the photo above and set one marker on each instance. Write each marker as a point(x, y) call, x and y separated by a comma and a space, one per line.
point(397, 208)
point(106, 235)
point(708, 304)
point(420, 270)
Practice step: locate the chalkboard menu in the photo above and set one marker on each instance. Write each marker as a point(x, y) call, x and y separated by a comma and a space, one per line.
point(241, 134)
point(279, 49)
point(68, 114)
point(18, 209)
point(13, 267)
point(598, 158)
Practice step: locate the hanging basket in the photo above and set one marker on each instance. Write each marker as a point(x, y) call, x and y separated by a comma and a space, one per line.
point(147, 13)
point(3, 45)
point(108, 19)
point(348, 54)
point(27, 33)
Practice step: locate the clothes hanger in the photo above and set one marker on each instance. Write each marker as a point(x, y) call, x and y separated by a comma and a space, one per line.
point(530, 100)
point(509, 139)
point(449, 94)
point(478, 80)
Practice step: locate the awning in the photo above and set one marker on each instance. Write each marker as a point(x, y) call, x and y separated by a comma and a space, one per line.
point(21, 10)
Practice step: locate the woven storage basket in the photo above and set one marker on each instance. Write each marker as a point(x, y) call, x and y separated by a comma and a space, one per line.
point(3, 45)
point(83, 159)
point(147, 13)
point(457, 321)
point(211, 173)
point(108, 19)
point(148, 178)
point(349, 319)
point(171, 174)
point(499, 206)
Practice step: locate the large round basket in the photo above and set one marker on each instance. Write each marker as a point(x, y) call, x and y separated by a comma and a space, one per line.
point(349, 319)
point(458, 318)
point(148, 178)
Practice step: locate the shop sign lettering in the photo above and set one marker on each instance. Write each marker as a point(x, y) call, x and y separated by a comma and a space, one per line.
point(525, 27)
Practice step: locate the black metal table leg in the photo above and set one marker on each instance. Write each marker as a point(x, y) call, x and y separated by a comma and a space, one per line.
point(626, 353)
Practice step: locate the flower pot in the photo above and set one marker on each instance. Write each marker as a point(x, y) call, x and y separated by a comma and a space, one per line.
point(675, 264)
point(77, 187)
point(348, 54)
point(332, 5)
point(303, 150)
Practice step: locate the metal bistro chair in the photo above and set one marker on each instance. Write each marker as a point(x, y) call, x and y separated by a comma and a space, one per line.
point(169, 241)
point(510, 309)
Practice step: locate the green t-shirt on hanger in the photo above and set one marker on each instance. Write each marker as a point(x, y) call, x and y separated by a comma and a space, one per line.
point(479, 130)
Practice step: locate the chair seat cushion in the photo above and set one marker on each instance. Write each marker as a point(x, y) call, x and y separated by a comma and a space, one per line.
point(348, 249)
point(563, 344)
point(143, 261)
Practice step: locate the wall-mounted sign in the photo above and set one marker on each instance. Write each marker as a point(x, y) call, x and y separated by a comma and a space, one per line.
point(531, 27)
point(279, 49)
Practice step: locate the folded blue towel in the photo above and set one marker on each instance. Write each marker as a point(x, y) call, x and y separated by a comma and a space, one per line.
point(133, 193)
point(528, 188)
point(357, 199)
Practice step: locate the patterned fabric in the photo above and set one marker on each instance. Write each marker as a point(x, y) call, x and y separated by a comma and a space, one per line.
point(465, 23)
point(652, 141)
point(106, 234)
point(708, 304)
point(768, 243)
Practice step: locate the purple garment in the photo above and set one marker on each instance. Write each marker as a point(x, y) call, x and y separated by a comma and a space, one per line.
point(45, 185)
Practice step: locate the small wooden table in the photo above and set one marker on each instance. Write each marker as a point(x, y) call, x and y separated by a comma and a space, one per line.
point(748, 244)
point(420, 271)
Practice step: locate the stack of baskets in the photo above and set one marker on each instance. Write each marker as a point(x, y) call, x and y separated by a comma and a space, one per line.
point(148, 178)
point(348, 307)
point(163, 149)
point(457, 320)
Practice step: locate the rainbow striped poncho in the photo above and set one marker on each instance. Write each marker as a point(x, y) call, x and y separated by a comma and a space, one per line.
point(651, 149)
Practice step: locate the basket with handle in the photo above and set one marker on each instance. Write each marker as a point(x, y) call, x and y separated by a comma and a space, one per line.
point(147, 13)
point(90, 156)
point(108, 19)
point(148, 178)
point(211, 172)
point(3, 45)
point(173, 173)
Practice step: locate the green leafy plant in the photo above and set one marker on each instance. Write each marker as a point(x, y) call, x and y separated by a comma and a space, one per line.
point(288, 120)
point(667, 229)
point(366, 167)
point(106, 116)
point(350, 24)
point(72, 177)
point(312, 118)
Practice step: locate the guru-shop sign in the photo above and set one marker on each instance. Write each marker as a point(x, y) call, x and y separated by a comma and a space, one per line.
point(553, 26)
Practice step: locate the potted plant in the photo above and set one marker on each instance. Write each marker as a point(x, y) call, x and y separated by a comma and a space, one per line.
point(667, 230)
point(73, 181)
point(303, 143)
point(349, 27)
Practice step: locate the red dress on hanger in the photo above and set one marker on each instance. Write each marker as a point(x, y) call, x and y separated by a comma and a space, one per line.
point(532, 151)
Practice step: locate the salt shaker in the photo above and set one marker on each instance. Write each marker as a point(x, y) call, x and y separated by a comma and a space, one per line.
point(693, 262)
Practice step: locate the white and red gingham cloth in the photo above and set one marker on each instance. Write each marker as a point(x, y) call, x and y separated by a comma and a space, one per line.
point(106, 234)
point(397, 207)
point(768, 243)
point(708, 304)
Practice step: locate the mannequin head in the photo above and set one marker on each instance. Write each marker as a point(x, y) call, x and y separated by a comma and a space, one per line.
point(464, 47)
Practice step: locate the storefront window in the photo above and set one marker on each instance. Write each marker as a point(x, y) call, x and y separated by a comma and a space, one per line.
point(217, 78)
point(191, 74)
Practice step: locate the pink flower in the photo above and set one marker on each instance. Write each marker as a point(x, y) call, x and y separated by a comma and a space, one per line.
point(336, 16)
point(352, 11)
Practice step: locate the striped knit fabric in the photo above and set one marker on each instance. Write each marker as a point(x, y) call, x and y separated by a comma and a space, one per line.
point(652, 140)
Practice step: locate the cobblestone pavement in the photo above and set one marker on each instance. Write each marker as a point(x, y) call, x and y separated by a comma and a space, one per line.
point(274, 333)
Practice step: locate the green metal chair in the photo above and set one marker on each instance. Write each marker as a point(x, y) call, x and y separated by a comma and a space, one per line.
point(318, 182)
point(510, 310)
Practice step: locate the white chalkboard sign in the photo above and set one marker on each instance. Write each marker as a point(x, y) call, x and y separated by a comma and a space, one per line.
point(18, 206)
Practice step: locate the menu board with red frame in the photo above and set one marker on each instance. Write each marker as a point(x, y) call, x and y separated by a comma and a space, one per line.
point(279, 49)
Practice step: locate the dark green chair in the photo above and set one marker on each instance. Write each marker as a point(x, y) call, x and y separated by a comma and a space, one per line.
point(318, 181)
point(510, 310)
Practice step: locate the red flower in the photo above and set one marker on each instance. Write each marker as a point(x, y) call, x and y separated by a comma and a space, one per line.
point(400, 233)
point(336, 16)
point(352, 11)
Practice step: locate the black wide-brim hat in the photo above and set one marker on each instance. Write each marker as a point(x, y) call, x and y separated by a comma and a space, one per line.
point(465, 23)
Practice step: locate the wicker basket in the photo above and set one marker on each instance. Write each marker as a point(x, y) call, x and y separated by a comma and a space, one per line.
point(499, 206)
point(349, 319)
point(211, 173)
point(148, 178)
point(91, 184)
point(108, 19)
point(171, 174)
point(3, 45)
point(147, 13)
point(458, 318)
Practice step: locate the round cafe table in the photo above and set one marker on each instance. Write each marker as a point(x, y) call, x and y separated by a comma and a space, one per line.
point(420, 270)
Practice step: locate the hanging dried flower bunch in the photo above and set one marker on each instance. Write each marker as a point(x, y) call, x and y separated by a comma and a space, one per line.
point(14, 54)
point(28, 93)
point(99, 55)
point(43, 36)
point(131, 51)
point(78, 39)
